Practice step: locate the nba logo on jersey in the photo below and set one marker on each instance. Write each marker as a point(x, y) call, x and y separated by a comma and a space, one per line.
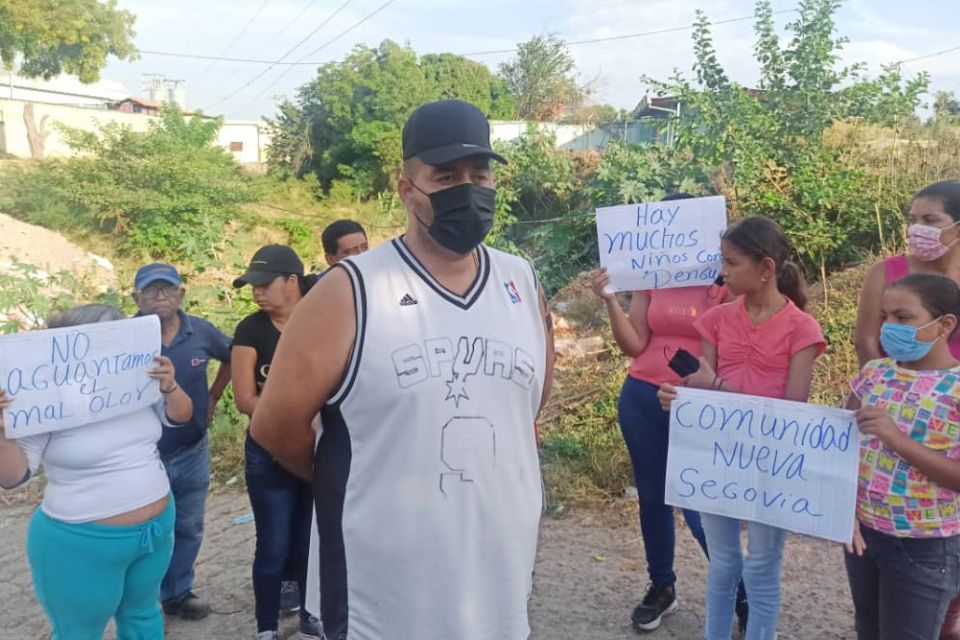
point(512, 291)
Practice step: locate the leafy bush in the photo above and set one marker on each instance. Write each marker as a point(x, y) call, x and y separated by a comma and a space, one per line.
point(167, 192)
point(28, 296)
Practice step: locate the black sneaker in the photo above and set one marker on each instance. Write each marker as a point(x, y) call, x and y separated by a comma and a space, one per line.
point(659, 601)
point(289, 597)
point(188, 607)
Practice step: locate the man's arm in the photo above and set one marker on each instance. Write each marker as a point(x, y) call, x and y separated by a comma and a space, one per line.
point(307, 368)
point(551, 354)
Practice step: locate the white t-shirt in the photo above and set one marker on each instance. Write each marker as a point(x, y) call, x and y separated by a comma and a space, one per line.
point(102, 469)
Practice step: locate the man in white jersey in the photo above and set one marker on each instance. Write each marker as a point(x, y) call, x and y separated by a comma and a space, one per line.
point(428, 359)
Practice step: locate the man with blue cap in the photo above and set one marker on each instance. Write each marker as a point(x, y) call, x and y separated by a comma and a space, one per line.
point(190, 342)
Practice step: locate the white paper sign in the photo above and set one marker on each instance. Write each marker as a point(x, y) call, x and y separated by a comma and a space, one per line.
point(662, 245)
point(65, 378)
point(786, 464)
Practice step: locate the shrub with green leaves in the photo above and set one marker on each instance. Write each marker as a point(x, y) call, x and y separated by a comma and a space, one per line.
point(167, 192)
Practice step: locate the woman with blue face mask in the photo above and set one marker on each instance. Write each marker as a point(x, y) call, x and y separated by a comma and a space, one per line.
point(933, 239)
point(904, 561)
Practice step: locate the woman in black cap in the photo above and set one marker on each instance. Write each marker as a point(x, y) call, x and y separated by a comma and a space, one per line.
point(282, 503)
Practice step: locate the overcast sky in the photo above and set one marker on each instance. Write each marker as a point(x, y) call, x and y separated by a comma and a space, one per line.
point(880, 31)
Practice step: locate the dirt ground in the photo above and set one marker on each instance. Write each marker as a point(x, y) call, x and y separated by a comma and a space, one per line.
point(590, 573)
point(47, 250)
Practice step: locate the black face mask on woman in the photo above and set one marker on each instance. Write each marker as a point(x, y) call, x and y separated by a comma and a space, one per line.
point(462, 216)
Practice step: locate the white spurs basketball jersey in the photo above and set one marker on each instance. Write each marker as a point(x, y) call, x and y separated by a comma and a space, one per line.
point(427, 481)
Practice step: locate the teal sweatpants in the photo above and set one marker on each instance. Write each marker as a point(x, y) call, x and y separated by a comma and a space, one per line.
point(84, 574)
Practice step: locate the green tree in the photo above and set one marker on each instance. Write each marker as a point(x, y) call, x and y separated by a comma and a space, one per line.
point(72, 36)
point(289, 151)
point(355, 108)
point(765, 148)
point(542, 76)
point(458, 77)
point(945, 105)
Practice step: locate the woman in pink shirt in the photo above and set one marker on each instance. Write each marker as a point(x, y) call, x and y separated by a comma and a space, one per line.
point(659, 323)
point(762, 344)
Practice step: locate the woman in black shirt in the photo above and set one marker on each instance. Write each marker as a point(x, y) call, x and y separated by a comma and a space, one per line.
point(282, 503)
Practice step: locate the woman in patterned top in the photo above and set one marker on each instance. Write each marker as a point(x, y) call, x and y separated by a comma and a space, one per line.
point(904, 561)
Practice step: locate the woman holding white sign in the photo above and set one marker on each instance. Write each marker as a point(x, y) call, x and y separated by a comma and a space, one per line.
point(100, 543)
point(904, 564)
point(659, 323)
point(762, 344)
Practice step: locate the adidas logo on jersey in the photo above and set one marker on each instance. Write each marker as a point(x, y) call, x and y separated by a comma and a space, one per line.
point(407, 300)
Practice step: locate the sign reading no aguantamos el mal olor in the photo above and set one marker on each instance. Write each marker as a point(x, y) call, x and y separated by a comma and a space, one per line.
point(662, 245)
point(65, 378)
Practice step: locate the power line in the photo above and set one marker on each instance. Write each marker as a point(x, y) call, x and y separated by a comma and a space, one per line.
point(293, 20)
point(475, 53)
point(928, 55)
point(642, 34)
point(284, 56)
point(236, 39)
point(318, 50)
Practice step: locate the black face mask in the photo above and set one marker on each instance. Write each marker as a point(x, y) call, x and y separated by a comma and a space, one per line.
point(462, 216)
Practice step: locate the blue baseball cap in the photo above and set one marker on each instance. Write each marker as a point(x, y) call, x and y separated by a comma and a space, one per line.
point(154, 272)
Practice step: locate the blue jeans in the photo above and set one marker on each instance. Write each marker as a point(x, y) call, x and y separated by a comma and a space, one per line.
point(646, 428)
point(189, 475)
point(760, 571)
point(283, 511)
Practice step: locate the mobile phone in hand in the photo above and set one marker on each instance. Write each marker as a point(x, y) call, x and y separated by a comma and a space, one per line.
point(684, 363)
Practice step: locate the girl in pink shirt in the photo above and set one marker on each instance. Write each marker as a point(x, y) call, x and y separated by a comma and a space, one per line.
point(762, 344)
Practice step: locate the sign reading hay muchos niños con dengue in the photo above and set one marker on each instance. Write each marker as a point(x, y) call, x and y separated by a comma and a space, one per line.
point(786, 464)
point(662, 245)
point(65, 378)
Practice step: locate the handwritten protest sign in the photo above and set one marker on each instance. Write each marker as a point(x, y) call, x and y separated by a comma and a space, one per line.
point(662, 245)
point(786, 464)
point(65, 378)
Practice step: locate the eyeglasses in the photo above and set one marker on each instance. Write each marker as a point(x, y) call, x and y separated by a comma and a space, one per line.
point(159, 292)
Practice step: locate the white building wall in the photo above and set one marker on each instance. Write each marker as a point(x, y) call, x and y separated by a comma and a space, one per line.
point(252, 136)
point(570, 137)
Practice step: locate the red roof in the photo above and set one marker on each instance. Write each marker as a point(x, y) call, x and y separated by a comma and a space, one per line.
point(142, 102)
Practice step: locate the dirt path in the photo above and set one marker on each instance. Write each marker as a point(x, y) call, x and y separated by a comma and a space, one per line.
point(589, 575)
point(47, 250)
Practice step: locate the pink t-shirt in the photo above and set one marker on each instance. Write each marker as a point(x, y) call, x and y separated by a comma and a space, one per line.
point(756, 360)
point(897, 267)
point(670, 317)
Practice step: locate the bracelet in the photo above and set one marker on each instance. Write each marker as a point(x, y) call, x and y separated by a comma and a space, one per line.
point(166, 393)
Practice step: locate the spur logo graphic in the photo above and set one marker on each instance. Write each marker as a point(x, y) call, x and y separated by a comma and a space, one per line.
point(455, 365)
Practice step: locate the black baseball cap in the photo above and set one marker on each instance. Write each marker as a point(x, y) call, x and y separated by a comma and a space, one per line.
point(446, 131)
point(268, 263)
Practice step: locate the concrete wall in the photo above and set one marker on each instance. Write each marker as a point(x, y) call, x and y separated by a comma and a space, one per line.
point(580, 137)
point(252, 136)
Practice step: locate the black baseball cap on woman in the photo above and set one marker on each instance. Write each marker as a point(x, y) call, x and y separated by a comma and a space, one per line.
point(269, 262)
point(446, 131)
